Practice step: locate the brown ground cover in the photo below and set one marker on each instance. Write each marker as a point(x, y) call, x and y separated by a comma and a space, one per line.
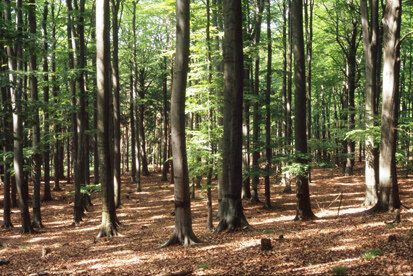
point(312, 247)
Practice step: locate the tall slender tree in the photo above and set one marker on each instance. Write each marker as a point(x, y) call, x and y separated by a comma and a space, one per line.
point(109, 220)
point(268, 150)
point(232, 215)
point(37, 158)
point(370, 29)
point(303, 192)
point(183, 232)
point(388, 197)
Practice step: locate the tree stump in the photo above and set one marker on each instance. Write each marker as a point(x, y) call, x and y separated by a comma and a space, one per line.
point(266, 244)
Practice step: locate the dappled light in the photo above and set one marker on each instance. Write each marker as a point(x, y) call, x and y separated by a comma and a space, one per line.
point(298, 247)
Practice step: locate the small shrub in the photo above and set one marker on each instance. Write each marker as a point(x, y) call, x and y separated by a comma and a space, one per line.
point(202, 266)
point(390, 226)
point(340, 270)
point(373, 253)
point(268, 231)
point(410, 233)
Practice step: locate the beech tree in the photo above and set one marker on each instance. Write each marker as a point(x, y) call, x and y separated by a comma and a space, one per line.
point(109, 224)
point(232, 215)
point(303, 192)
point(388, 197)
point(183, 232)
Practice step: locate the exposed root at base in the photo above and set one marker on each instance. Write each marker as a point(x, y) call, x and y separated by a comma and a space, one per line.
point(186, 241)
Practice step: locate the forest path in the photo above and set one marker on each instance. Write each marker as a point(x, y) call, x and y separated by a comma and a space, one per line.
point(307, 247)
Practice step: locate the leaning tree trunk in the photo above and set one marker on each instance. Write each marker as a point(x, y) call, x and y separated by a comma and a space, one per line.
point(303, 192)
point(370, 40)
point(232, 216)
point(183, 232)
point(37, 158)
point(109, 220)
point(388, 198)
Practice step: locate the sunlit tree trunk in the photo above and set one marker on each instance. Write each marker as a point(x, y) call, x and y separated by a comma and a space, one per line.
point(370, 28)
point(16, 96)
point(388, 197)
point(183, 233)
point(103, 75)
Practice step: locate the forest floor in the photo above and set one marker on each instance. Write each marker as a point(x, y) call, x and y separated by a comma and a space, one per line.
point(348, 241)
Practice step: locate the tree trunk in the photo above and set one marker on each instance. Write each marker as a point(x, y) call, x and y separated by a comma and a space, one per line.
point(47, 196)
point(232, 215)
point(370, 38)
point(116, 102)
point(287, 66)
point(268, 152)
point(388, 197)
point(16, 92)
point(58, 160)
point(303, 193)
point(183, 233)
point(6, 128)
point(165, 164)
point(108, 227)
point(37, 158)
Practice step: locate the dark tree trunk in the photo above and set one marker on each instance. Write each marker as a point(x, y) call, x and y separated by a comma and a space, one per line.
point(257, 117)
point(6, 127)
point(183, 233)
point(388, 197)
point(116, 102)
point(47, 196)
point(108, 227)
point(232, 215)
point(58, 157)
point(37, 158)
point(268, 152)
point(303, 193)
point(165, 164)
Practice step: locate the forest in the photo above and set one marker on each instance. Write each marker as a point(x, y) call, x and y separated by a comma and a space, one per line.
point(206, 137)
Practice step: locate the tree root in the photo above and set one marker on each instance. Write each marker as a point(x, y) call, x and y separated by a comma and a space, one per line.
point(186, 240)
point(7, 225)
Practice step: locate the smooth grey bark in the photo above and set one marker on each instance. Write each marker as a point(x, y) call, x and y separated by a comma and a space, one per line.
point(388, 196)
point(58, 154)
point(116, 102)
point(183, 233)
point(370, 29)
point(286, 91)
point(109, 223)
point(303, 210)
point(16, 95)
point(268, 149)
point(232, 216)
point(77, 124)
point(256, 114)
point(47, 195)
point(165, 164)
point(6, 130)
point(37, 158)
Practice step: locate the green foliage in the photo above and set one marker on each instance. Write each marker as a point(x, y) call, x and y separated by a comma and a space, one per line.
point(340, 270)
point(372, 253)
point(390, 226)
point(202, 266)
point(89, 189)
point(268, 231)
